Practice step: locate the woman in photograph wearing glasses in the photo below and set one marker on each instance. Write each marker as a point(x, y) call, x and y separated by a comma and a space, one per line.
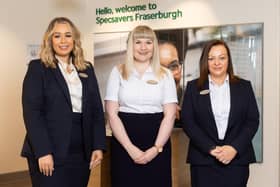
point(169, 58)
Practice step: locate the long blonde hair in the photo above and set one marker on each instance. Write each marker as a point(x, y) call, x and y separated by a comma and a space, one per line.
point(47, 53)
point(142, 31)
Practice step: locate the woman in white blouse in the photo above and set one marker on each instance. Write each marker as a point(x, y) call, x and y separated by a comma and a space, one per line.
point(140, 103)
point(62, 111)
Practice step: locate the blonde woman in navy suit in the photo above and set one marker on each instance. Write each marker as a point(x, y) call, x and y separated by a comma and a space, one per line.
point(220, 116)
point(62, 111)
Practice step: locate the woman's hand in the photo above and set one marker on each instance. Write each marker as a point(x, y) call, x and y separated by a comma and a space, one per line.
point(178, 111)
point(148, 156)
point(135, 153)
point(96, 158)
point(46, 165)
point(225, 153)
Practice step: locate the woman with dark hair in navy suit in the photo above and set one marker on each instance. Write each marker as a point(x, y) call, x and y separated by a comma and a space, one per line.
point(220, 116)
point(62, 111)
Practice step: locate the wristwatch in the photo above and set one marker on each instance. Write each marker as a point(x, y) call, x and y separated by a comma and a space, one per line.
point(159, 148)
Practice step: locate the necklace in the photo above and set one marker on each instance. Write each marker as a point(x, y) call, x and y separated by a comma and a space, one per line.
point(69, 74)
point(69, 69)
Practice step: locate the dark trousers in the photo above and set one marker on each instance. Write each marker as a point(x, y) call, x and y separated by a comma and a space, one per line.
point(72, 171)
point(219, 176)
point(65, 175)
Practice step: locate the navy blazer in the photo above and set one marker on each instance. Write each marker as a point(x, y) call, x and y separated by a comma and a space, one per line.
point(47, 112)
point(199, 123)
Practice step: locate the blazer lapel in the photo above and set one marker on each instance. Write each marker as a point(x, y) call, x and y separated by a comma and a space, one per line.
point(233, 104)
point(63, 85)
point(83, 75)
point(206, 102)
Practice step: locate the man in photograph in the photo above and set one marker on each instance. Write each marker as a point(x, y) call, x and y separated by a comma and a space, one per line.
point(169, 58)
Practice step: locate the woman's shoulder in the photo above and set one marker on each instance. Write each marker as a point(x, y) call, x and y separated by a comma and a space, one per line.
point(192, 82)
point(243, 82)
point(88, 63)
point(36, 64)
point(165, 71)
point(88, 66)
point(117, 69)
point(35, 61)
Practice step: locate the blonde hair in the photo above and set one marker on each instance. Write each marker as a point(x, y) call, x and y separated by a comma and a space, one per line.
point(47, 53)
point(141, 31)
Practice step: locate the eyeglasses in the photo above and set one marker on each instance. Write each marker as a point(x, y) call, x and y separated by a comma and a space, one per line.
point(174, 65)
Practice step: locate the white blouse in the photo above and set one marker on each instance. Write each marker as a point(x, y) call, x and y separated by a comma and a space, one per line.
point(144, 94)
point(220, 101)
point(74, 85)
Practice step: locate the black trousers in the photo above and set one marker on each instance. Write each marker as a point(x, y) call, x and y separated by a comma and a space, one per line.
point(72, 171)
point(219, 176)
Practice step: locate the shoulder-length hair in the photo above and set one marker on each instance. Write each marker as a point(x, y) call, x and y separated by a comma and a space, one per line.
point(47, 53)
point(141, 31)
point(203, 63)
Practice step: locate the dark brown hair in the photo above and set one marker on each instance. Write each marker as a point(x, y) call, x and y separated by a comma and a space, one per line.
point(203, 63)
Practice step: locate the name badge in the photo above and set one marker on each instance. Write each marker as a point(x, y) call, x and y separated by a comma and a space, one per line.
point(204, 92)
point(84, 75)
point(152, 82)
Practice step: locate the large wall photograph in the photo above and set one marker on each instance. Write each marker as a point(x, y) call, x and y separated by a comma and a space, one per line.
point(245, 42)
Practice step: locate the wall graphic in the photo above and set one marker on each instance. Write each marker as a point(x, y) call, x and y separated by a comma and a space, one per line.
point(32, 52)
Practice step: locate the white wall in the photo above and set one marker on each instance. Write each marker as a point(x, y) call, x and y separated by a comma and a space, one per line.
point(23, 22)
